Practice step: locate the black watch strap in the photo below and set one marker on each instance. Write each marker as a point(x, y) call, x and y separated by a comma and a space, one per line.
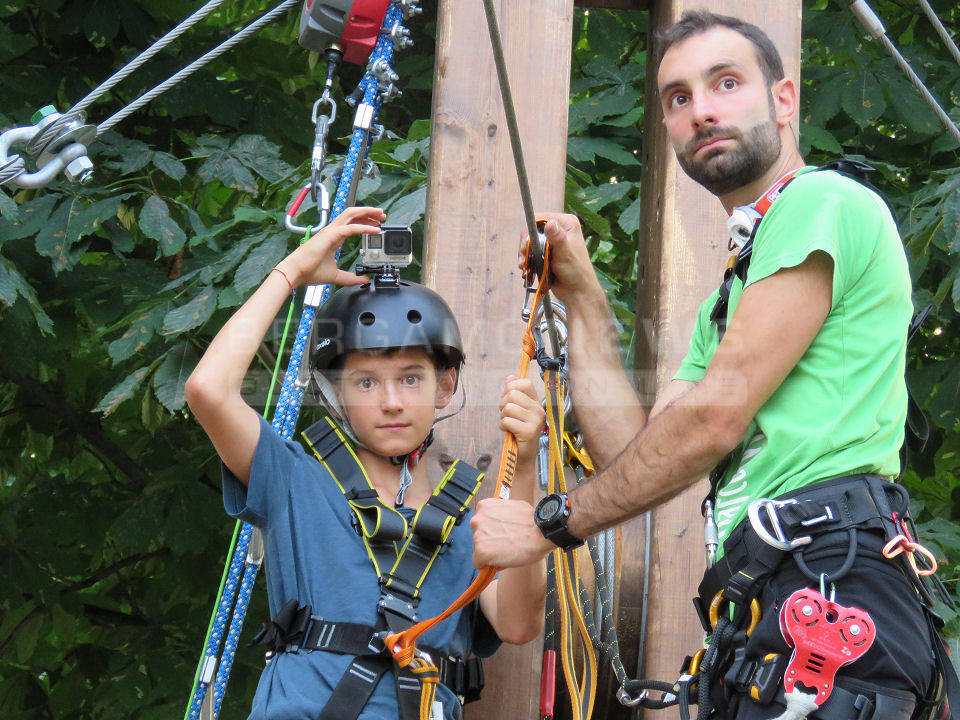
point(551, 516)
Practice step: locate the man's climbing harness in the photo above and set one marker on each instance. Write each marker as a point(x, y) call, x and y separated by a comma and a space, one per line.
point(245, 554)
point(830, 518)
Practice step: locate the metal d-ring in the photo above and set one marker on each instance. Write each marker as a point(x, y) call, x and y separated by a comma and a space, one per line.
point(780, 541)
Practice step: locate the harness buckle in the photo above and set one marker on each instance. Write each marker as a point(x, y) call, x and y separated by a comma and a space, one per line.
point(780, 541)
point(377, 642)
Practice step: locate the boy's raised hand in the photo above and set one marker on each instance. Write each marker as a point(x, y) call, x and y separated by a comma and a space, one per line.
point(522, 414)
point(313, 262)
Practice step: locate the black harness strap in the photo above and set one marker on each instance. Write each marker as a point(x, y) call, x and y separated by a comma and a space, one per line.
point(402, 555)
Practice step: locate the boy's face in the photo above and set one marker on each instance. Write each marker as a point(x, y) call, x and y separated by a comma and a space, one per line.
point(390, 400)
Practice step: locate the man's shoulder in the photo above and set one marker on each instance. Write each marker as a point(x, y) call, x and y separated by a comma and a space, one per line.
point(816, 185)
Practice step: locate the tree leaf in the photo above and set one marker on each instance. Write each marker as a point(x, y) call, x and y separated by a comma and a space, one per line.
point(121, 391)
point(945, 406)
point(140, 332)
point(629, 220)
point(12, 285)
point(169, 165)
point(863, 99)
point(8, 208)
point(33, 216)
point(171, 377)
point(90, 219)
point(228, 170)
point(409, 208)
point(258, 263)
point(156, 223)
point(193, 314)
point(951, 222)
point(819, 138)
point(52, 240)
point(587, 149)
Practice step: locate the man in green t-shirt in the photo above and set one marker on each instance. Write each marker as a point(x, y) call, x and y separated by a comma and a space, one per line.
point(793, 386)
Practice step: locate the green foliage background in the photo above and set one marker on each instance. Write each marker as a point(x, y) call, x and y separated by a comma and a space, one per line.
point(110, 515)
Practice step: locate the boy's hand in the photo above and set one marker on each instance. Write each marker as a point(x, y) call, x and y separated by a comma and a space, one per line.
point(313, 263)
point(521, 414)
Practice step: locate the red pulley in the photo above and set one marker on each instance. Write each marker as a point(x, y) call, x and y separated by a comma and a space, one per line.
point(353, 25)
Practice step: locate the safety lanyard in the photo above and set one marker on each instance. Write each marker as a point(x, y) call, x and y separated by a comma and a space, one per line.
point(403, 644)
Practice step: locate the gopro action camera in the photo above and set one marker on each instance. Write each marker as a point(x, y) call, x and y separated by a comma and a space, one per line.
point(392, 246)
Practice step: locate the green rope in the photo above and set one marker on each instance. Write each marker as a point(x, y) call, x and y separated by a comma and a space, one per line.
point(283, 339)
point(216, 606)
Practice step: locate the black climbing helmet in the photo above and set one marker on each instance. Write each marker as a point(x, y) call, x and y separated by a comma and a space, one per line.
point(380, 316)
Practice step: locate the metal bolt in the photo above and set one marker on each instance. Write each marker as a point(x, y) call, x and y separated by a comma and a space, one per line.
point(43, 112)
point(79, 170)
point(409, 8)
point(854, 630)
point(807, 610)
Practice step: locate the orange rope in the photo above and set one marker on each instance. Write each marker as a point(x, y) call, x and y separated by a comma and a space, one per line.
point(403, 645)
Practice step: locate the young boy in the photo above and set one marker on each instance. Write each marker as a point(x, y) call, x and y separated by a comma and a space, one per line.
point(386, 359)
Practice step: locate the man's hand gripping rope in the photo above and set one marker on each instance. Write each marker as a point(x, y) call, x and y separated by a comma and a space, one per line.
point(403, 645)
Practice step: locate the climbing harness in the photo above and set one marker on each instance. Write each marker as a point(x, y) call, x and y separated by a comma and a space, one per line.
point(245, 555)
point(402, 554)
point(831, 518)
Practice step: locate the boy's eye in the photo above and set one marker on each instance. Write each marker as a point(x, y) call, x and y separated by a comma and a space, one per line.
point(411, 380)
point(365, 383)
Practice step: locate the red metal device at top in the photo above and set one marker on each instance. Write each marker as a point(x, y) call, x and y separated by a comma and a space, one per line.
point(353, 25)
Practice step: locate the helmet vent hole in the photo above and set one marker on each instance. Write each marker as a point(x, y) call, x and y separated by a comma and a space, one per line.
point(367, 318)
point(414, 317)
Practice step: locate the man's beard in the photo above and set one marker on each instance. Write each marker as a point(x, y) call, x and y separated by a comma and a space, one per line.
point(723, 170)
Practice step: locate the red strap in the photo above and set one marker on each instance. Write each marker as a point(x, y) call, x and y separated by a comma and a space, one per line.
point(766, 200)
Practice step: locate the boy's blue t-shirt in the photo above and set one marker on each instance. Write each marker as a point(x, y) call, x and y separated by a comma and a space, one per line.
point(313, 555)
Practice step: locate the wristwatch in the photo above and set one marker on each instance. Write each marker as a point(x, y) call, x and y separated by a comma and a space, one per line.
point(551, 517)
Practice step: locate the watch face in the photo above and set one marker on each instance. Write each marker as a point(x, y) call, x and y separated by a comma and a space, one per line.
point(548, 508)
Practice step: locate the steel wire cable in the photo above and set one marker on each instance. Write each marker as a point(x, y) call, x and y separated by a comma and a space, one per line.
point(941, 30)
point(185, 72)
point(868, 18)
point(141, 59)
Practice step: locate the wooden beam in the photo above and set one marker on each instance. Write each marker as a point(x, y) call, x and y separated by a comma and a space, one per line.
point(473, 226)
point(614, 4)
point(683, 252)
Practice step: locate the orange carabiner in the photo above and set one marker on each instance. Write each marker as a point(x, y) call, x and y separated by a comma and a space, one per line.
point(903, 544)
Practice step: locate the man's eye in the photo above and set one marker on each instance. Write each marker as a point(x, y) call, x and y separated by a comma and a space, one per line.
point(728, 84)
point(678, 101)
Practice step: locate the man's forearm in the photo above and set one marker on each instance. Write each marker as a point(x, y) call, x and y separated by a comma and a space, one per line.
point(673, 452)
point(607, 408)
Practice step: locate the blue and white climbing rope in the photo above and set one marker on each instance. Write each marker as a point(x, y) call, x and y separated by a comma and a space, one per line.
point(237, 586)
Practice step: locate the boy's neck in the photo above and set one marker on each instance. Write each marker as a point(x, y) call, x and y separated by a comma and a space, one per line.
point(385, 477)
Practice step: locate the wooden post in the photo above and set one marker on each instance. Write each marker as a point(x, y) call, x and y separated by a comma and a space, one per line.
point(683, 252)
point(473, 227)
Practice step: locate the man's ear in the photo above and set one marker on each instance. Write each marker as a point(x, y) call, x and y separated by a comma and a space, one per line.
point(446, 387)
point(784, 95)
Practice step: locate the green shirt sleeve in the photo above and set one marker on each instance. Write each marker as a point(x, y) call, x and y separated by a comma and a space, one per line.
point(814, 214)
point(702, 343)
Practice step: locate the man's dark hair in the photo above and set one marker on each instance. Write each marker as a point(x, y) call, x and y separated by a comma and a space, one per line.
point(695, 22)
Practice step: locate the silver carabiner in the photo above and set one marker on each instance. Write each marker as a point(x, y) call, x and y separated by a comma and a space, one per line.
point(323, 206)
point(780, 541)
